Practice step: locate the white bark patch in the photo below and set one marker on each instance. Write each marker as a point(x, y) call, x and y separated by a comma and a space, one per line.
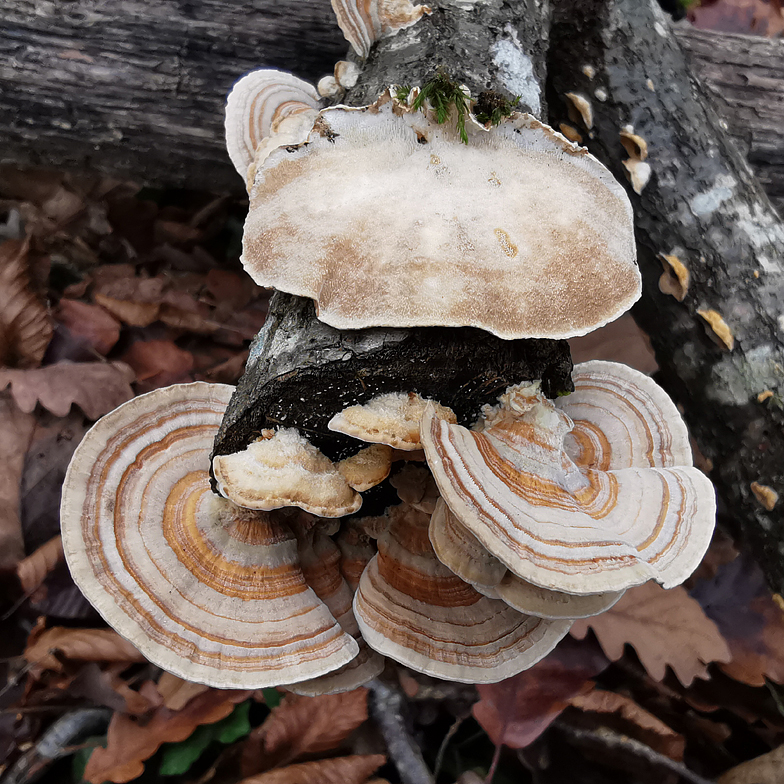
point(516, 72)
point(736, 378)
point(708, 202)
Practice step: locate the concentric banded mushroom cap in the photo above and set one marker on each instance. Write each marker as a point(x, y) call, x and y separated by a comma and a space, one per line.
point(519, 232)
point(284, 469)
point(456, 547)
point(363, 22)
point(204, 589)
point(392, 419)
point(263, 103)
point(319, 558)
point(413, 609)
point(567, 527)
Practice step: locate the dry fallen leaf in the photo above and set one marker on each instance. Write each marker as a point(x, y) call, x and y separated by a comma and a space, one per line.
point(633, 720)
point(176, 692)
point(96, 387)
point(16, 429)
point(89, 323)
point(25, 328)
point(130, 743)
point(104, 686)
point(303, 725)
point(135, 314)
point(158, 363)
point(518, 710)
point(664, 627)
point(77, 645)
point(738, 600)
point(32, 570)
point(342, 770)
point(767, 769)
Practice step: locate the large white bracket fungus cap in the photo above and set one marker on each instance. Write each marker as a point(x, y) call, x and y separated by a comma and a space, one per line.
point(364, 22)
point(265, 103)
point(410, 607)
point(386, 219)
point(586, 507)
point(285, 469)
point(204, 589)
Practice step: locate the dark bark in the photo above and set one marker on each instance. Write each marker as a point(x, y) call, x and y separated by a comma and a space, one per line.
point(302, 372)
point(137, 89)
point(745, 76)
point(703, 205)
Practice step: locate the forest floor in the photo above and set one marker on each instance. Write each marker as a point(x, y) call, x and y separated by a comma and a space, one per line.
point(108, 291)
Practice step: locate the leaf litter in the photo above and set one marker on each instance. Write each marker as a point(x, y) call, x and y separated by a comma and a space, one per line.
point(114, 291)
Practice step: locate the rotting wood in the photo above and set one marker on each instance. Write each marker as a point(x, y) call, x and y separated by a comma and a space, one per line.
point(301, 372)
point(137, 89)
point(703, 205)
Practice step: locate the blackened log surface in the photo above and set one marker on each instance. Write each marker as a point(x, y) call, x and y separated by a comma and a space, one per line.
point(745, 75)
point(703, 205)
point(301, 372)
point(137, 88)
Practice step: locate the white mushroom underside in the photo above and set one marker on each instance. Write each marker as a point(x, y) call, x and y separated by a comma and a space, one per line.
point(518, 232)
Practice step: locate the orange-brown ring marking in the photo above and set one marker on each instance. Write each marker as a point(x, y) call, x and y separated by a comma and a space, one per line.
point(152, 627)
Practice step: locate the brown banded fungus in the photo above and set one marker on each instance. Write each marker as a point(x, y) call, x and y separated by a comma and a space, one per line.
point(413, 609)
point(590, 495)
point(518, 232)
point(207, 590)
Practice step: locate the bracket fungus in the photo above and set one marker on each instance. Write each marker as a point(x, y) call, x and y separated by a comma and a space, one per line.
point(413, 609)
point(363, 22)
point(262, 104)
point(207, 590)
point(391, 419)
point(593, 494)
point(518, 232)
point(282, 468)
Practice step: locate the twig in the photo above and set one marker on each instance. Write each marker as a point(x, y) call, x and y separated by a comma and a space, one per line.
point(605, 739)
point(386, 708)
point(445, 742)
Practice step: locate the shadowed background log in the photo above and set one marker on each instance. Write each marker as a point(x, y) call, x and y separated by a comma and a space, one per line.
point(137, 89)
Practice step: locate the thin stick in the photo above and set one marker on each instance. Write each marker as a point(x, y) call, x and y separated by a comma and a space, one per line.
point(386, 707)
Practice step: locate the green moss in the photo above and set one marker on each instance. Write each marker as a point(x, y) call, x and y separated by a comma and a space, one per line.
point(401, 92)
point(491, 107)
point(443, 95)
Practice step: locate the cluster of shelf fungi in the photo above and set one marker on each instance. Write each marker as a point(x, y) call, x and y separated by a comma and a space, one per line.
point(452, 511)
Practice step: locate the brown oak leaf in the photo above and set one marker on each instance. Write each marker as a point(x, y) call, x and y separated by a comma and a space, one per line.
point(518, 710)
point(32, 570)
point(89, 323)
point(633, 720)
point(303, 725)
point(130, 743)
point(77, 645)
point(664, 627)
point(96, 387)
point(738, 599)
point(158, 363)
point(176, 692)
point(342, 770)
point(25, 328)
point(16, 430)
